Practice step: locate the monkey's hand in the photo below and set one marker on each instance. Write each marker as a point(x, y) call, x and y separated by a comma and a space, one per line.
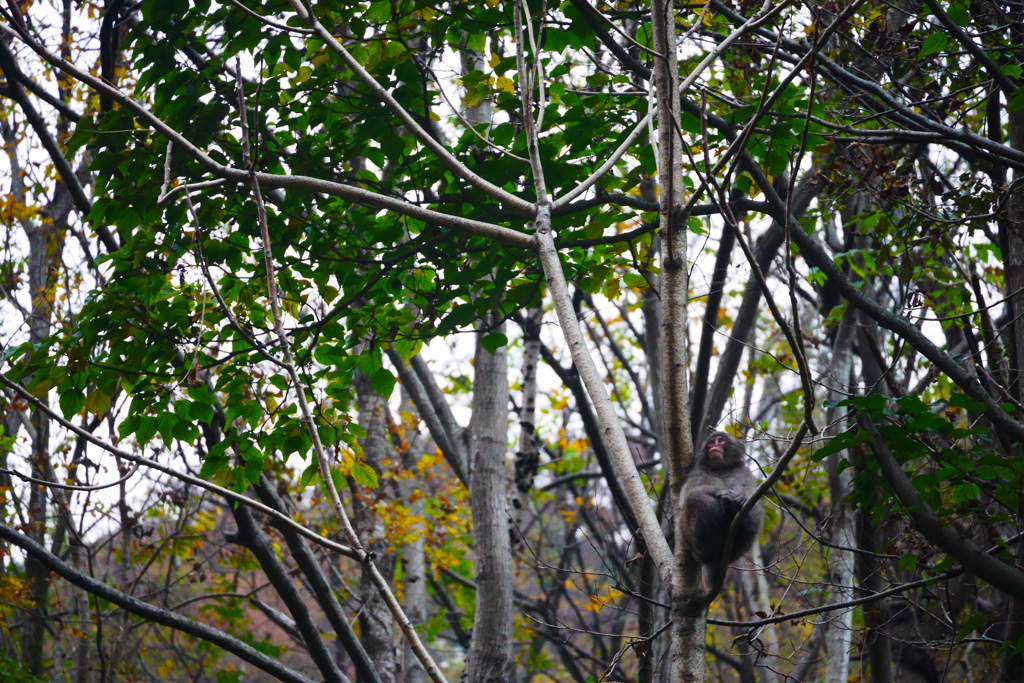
point(732, 500)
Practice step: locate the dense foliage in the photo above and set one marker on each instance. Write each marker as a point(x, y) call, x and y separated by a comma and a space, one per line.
point(312, 313)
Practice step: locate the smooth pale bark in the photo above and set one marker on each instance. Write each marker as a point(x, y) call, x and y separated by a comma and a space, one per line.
point(414, 566)
point(527, 458)
point(45, 247)
point(839, 627)
point(614, 436)
point(490, 651)
point(689, 608)
point(528, 454)
point(414, 561)
point(375, 620)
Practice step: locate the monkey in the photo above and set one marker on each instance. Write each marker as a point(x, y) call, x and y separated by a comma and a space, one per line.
point(718, 486)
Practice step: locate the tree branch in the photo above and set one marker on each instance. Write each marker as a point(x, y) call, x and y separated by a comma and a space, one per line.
point(1001, 575)
point(355, 195)
point(523, 207)
point(150, 612)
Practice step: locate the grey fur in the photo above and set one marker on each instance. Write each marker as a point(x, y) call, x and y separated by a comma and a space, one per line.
point(714, 492)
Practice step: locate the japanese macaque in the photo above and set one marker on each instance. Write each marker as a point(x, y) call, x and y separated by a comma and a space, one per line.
point(718, 486)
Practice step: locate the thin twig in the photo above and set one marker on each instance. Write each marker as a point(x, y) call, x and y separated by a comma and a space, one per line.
point(187, 478)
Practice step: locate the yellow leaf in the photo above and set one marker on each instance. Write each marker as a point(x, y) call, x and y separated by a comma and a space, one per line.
point(506, 85)
point(495, 59)
point(97, 403)
point(271, 403)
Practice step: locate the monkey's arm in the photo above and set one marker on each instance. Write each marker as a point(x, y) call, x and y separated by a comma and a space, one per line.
point(732, 500)
point(706, 521)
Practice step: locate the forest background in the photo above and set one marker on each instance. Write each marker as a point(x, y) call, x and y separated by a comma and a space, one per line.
point(370, 341)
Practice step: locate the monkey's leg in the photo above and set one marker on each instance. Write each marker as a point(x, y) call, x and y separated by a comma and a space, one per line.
point(707, 521)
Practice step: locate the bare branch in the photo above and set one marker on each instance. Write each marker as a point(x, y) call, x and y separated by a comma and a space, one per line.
point(151, 612)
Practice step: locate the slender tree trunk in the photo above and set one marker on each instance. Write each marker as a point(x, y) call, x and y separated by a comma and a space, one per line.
point(490, 651)
point(528, 455)
point(1013, 667)
point(42, 239)
point(689, 608)
point(839, 628)
point(876, 641)
point(414, 563)
point(375, 620)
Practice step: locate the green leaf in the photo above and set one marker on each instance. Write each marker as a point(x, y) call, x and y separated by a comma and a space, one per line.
point(936, 42)
point(960, 12)
point(383, 382)
point(493, 342)
point(310, 475)
point(202, 412)
point(365, 475)
point(146, 430)
point(84, 131)
point(965, 492)
point(973, 623)
point(477, 42)
point(72, 402)
point(908, 562)
point(407, 348)
point(475, 96)
point(337, 477)
point(839, 443)
point(1016, 102)
point(556, 41)
point(212, 465)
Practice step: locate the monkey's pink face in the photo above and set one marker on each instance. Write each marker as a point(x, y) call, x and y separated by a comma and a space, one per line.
point(716, 449)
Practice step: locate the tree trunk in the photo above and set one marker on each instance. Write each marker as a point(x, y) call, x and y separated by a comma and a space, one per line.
point(689, 607)
point(376, 623)
point(490, 651)
point(839, 628)
point(414, 564)
point(1013, 667)
point(42, 239)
